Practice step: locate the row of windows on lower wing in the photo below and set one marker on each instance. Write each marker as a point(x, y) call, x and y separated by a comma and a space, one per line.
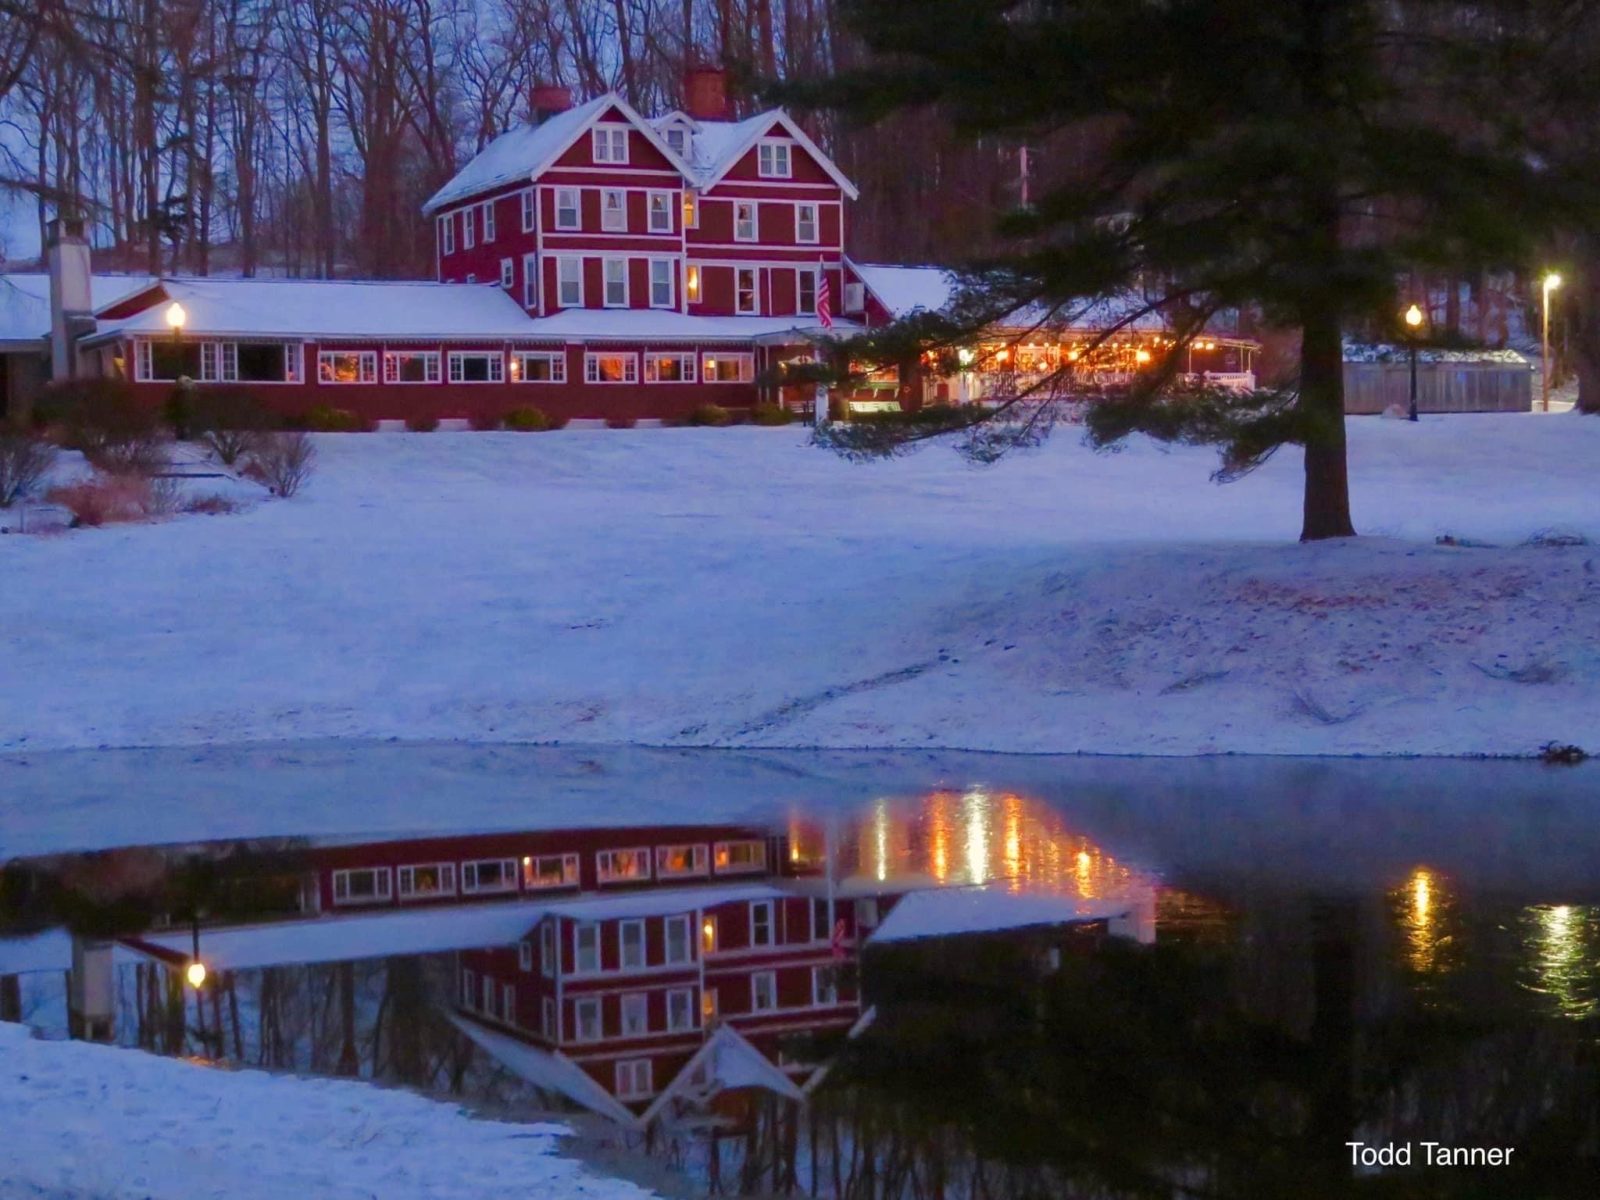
point(542, 872)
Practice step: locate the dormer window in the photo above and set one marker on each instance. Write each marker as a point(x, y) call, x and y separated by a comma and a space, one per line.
point(610, 144)
point(773, 160)
point(677, 139)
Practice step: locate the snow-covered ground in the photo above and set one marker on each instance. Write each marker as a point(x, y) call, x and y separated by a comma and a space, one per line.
point(737, 587)
point(85, 1122)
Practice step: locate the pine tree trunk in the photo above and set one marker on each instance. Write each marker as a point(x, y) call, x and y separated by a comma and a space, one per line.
point(1327, 487)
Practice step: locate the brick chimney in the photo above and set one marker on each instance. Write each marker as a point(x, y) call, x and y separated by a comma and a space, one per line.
point(547, 100)
point(71, 307)
point(705, 93)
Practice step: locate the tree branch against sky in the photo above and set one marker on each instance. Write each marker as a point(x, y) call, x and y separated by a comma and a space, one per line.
point(1289, 159)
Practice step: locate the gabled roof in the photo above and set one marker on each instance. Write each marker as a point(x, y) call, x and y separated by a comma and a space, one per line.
point(333, 308)
point(547, 1069)
point(523, 153)
point(25, 301)
point(725, 1060)
point(718, 145)
point(952, 911)
point(905, 290)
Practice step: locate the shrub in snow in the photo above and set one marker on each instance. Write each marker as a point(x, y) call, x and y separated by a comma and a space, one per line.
point(324, 418)
point(532, 420)
point(771, 414)
point(212, 505)
point(178, 411)
point(105, 499)
point(102, 418)
point(228, 420)
point(422, 424)
point(24, 462)
point(709, 414)
point(283, 461)
point(621, 422)
point(484, 422)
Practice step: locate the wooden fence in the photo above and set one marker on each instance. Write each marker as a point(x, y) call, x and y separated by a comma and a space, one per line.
point(1371, 387)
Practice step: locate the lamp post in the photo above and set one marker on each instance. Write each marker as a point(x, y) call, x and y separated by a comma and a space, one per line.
point(176, 316)
point(195, 972)
point(1414, 323)
point(1549, 284)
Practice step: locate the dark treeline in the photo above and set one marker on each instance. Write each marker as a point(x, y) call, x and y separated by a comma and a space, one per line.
point(302, 136)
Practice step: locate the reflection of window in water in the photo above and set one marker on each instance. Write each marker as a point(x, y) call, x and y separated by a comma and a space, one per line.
point(1565, 965)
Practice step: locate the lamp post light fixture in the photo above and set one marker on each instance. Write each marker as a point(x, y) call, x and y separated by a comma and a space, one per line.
point(195, 972)
point(1549, 284)
point(176, 317)
point(1414, 323)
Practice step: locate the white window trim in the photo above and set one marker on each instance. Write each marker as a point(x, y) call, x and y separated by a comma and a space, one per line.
point(630, 375)
point(700, 854)
point(755, 221)
point(384, 893)
point(651, 199)
point(508, 273)
point(738, 868)
point(640, 1003)
point(801, 273)
point(569, 862)
point(447, 233)
point(651, 375)
point(447, 874)
point(458, 359)
point(693, 283)
point(679, 921)
point(488, 222)
point(580, 1003)
point(606, 264)
point(427, 356)
point(469, 228)
point(816, 223)
point(606, 135)
point(691, 218)
point(689, 1009)
point(772, 924)
point(746, 362)
point(578, 968)
point(772, 978)
point(562, 260)
point(549, 960)
point(755, 292)
point(525, 955)
point(547, 1019)
point(666, 264)
point(508, 873)
point(529, 207)
point(577, 209)
point(605, 873)
point(623, 927)
point(775, 145)
point(630, 1073)
point(366, 371)
point(606, 211)
point(816, 987)
point(530, 281)
point(557, 360)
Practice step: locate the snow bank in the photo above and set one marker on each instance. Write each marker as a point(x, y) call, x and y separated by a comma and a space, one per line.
point(739, 588)
point(84, 1120)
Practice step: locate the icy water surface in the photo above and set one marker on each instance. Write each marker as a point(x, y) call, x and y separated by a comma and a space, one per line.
point(1403, 955)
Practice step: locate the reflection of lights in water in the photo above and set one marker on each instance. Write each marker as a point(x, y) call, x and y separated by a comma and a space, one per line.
point(1421, 896)
point(880, 838)
point(1562, 964)
point(939, 823)
point(976, 805)
point(1420, 903)
point(1083, 871)
point(1013, 840)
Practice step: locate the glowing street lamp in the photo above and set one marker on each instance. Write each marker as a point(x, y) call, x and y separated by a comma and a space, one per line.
point(1549, 284)
point(1413, 319)
point(195, 973)
point(176, 315)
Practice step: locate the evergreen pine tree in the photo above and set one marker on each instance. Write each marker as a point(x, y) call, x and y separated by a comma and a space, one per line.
point(1287, 158)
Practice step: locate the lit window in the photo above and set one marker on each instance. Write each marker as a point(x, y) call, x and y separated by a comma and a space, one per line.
point(568, 213)
point(668, 368)
point(586, 946)
point(424, 881)
point(586, 1019)
point(630, 935)
point(681, 860)
point(677, 940)
point(729, 368)
point(708, 934)
point(763, 991)
point(477, 366)
point(411, 366)
point(708, 1005)
point(616, 282)
point(366, 885)
point(691, 210)
point(744, 220)
point(805, 222)
point(691, 285)
point(773, 160)
point(661, 283)
point(738, 856)
point(569, 282)
point(680, 1010)
point(635, 1014)
point(610, 144)
point(633, 1079)
point(543, 366)
point(347, 366)
point(614, 210)
point(488, 875)
point(660, 212)
point(616, 866)
point(761, 931)
point(615, 368)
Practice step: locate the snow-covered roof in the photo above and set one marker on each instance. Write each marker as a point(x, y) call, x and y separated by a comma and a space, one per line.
point(522, 153)
point(639, 324)
point(546, 1069)
point(660, 901)
point(25, 301)
point(947, 912)
point(904, 290)
point(716, 146)
point(333, 308)
point(1379, 352)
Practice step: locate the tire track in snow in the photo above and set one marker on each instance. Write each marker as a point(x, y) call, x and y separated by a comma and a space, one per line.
point(793, 710)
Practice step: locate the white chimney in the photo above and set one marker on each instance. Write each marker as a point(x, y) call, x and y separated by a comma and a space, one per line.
point(71, 308)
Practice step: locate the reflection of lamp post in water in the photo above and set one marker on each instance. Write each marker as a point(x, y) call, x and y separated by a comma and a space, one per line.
point(1414, 323)
point(1549, 284)
point(195, 972)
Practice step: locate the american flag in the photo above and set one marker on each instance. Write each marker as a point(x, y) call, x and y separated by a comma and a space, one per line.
point(824, 308)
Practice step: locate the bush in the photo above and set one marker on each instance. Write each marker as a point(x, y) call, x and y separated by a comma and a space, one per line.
point(228, 420)
point(484, 422)
point(422, 424)
point(771, 414)
point(24, 462)
point(323, 418)
point(532, 420)
point(283, 461)
point(709, 414)
point(212, 505)
point(178, 412)
point(105, 499)
point(621, 422)
point(102, 419)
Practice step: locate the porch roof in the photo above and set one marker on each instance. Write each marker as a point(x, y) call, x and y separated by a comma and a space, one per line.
point(25, 302)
